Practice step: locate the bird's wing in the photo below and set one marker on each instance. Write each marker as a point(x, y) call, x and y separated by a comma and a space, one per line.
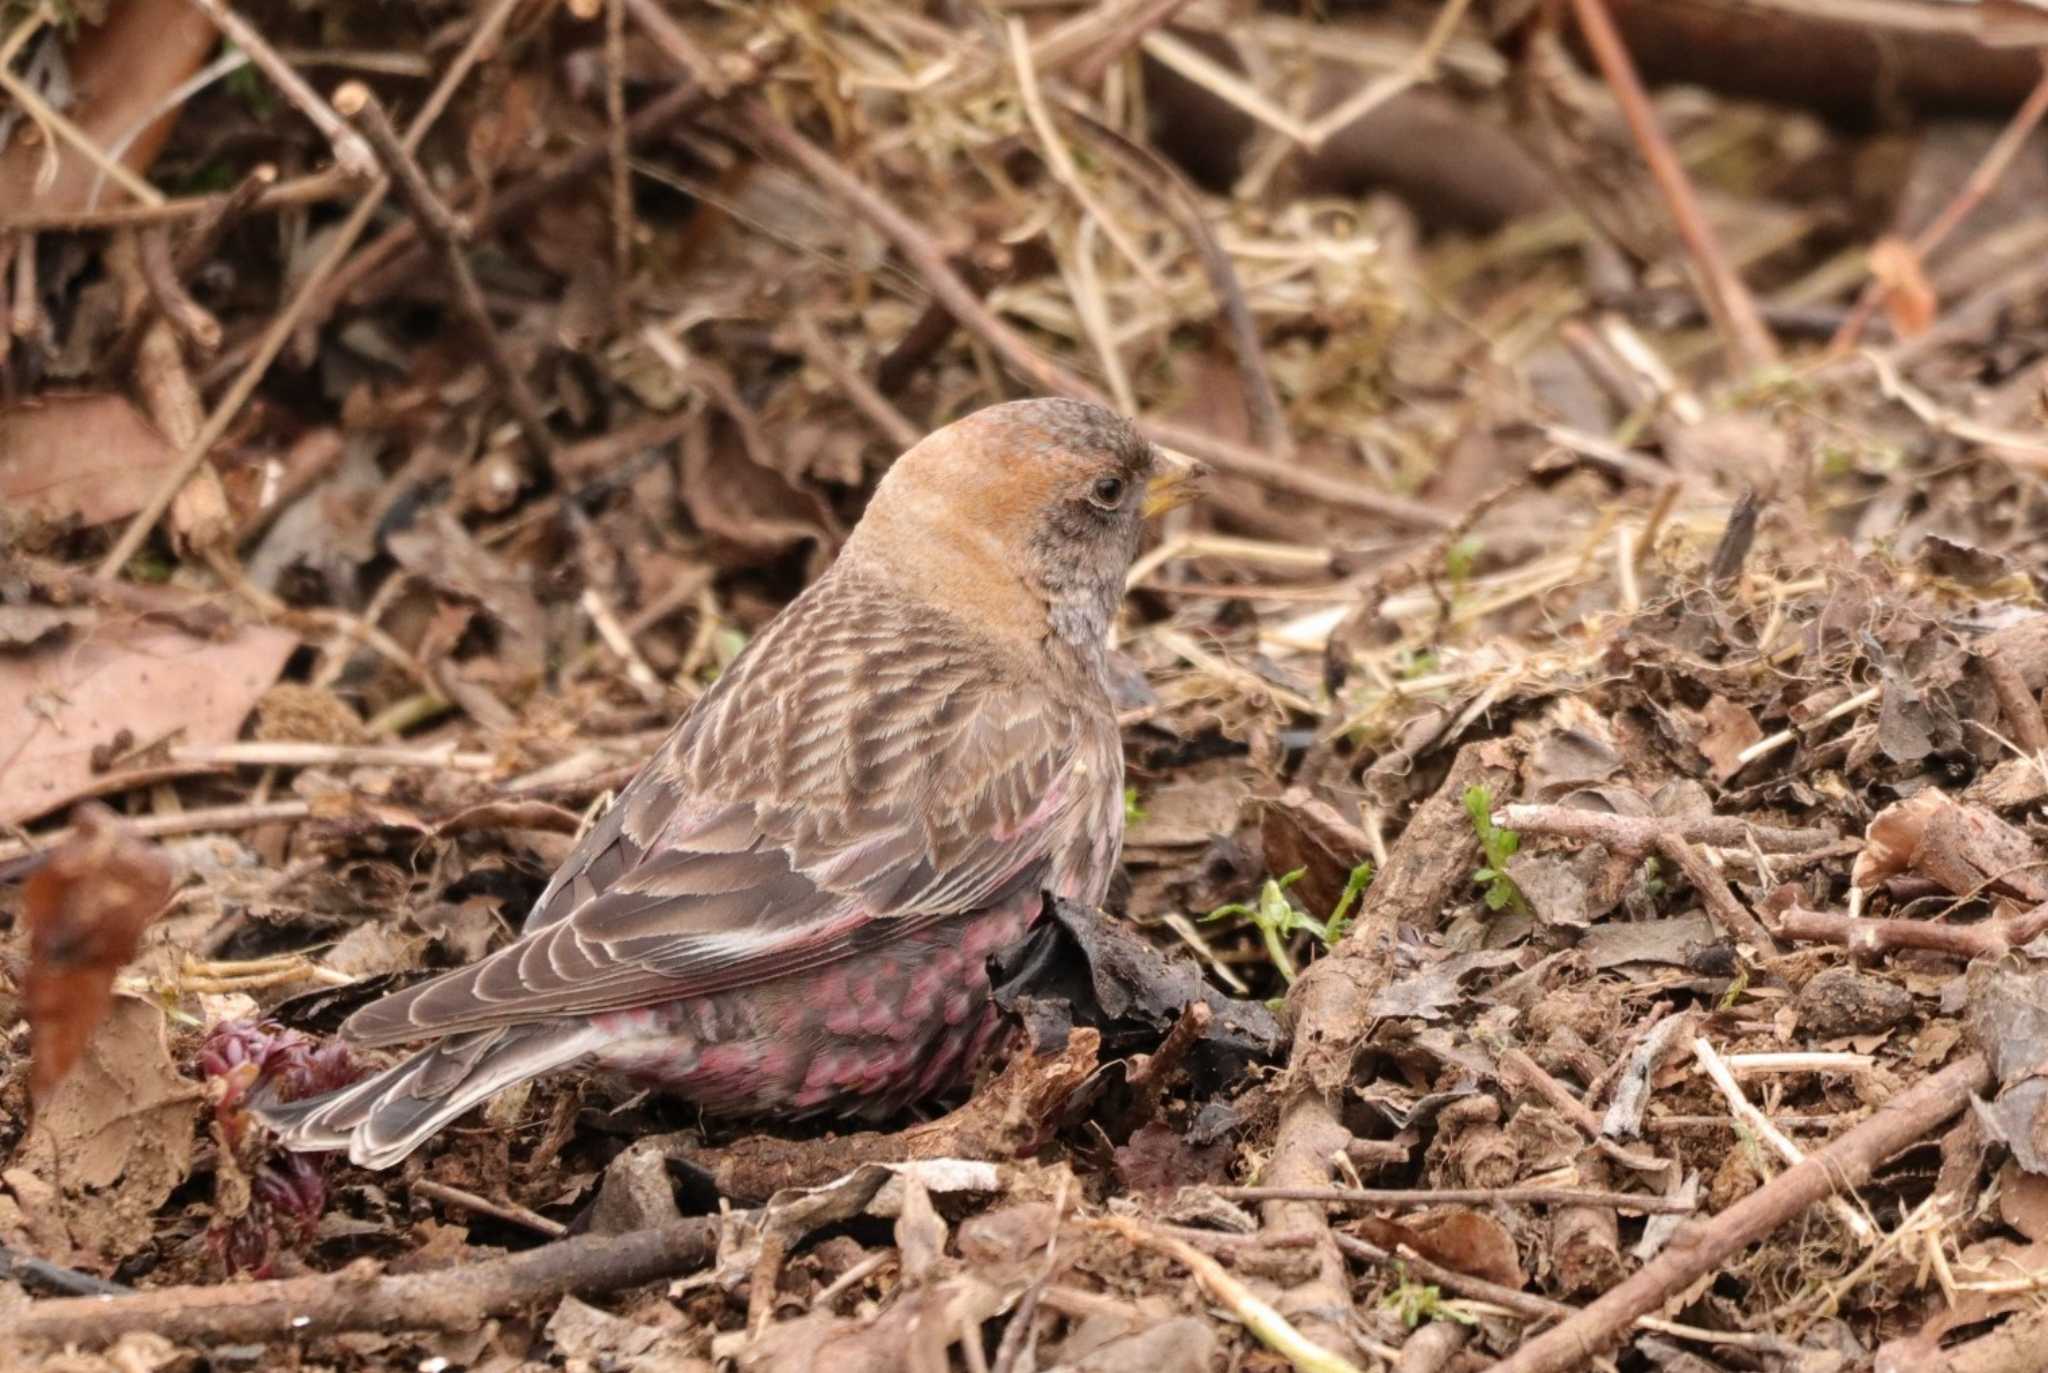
point(863, 781)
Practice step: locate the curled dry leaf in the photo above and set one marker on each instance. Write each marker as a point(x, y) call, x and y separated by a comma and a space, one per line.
point(1894, 837)
point(1908, 296)
point(86, 908)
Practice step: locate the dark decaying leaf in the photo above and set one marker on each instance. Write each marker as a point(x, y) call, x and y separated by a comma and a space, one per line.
point(1082, 967)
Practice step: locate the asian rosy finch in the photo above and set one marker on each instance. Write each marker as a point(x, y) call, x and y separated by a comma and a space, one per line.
point(789, 909)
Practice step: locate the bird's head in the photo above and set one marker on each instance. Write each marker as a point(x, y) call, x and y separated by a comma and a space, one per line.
point(1024, 515)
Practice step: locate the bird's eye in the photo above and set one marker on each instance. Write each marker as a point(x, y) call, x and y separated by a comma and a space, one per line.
point(1108, 492)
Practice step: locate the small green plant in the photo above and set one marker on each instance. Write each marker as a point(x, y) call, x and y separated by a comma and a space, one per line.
point(1736, 987)
point(1416, 1302)
point(1415, 663)
point(1653, 878)
point(1499, 845)
point(248, 85)
point(1459, 560)
point(1133, 812)
point(1340, 916)
point(1278, 919)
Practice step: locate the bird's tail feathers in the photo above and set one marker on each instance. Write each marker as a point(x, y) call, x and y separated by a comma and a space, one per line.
point(386, 1116)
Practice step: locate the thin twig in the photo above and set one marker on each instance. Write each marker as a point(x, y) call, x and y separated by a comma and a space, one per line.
point(41, 111)
point(929, 261)
point(1633, 834)
point(197, 243)
point(1170, 187)
point(193, 321)
point(311, 291)
point(484, 1206)
point(1271, 1328)
point(313, 189)
point(677, 45)
point(618, 152)
point(445, 230)
point(1729, 913)
point(1701, 1246)
point(856, 387)
point(1749, 342)
point(351, 154)
point(2019, 706)
point(392, 258)
point(1765, 1129)
point(1140, 18)
point(1982, 179)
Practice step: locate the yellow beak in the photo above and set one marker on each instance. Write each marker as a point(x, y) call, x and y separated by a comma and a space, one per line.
point(1176, 482)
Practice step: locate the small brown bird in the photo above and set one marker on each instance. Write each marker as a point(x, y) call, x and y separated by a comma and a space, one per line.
point(788, 911)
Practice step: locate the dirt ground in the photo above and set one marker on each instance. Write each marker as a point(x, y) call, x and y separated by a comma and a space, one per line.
point(1586, 835)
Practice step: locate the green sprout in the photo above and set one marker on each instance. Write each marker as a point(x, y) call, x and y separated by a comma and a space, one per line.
point(1133, 812)
point(1736, 987)
point(1459, 560)
point(1416, 1302)
point(1278, 919)
point(1340, 917)
point(1499, 845)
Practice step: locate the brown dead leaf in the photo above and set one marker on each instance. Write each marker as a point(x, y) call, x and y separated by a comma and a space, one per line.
point(1456, 1237)
point(86, 908)
point(124, 71)
point(1729, 729)
point(89, 458)
point(152, 681)
point(1909, 298)
point(756, 511)
point(110, 1145)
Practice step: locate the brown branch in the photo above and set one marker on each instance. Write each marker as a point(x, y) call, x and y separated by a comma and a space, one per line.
point(2022, 712)
point(1517, 1063)
point(484, 1206)
point(1331, 1007)
point(983, 267)
point(1992, 938)
point(357, 1298)
point(1749, 343)
point(1149, 1073)
point(1451, 1280)
point(1465, 1196)
point(1638, 834)
point(928, 260)
point(1699, 1247)
point(857, 388)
